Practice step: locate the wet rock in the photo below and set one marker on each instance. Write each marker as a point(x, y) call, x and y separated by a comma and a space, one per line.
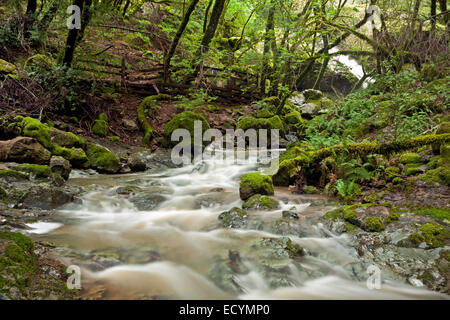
point(147, 202)
point(259, 202)
point(291, 215)
point(60, 166)
point(137, 162)
point(255, 183)
point(46, 197)
point(24, 150)
point(234, 218)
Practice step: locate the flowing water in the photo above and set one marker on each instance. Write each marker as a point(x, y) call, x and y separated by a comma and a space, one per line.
point(176, 247)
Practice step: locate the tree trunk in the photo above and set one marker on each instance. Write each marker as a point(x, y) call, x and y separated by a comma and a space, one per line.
point(29, 18)
point(85, 18)
point(71, 41)
point(177, 38)
point(268, 38)
point(433, 15)
point(49, 16)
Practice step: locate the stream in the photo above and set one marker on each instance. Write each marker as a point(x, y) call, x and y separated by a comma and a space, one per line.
point(156, 235)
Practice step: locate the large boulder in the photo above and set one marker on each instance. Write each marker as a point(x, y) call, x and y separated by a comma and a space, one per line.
point(102, 159)
point(255, 183)
point(184, 120)
point(24, 150)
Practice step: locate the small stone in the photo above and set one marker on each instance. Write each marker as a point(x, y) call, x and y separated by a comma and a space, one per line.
point(415, 282)
point(130, 125)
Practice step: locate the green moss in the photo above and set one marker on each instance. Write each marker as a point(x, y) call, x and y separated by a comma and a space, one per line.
point(439, 213)
point(293, 117)
point(101, 158)
point(374, 224)
point(66, 139)
point(184, 120)
point(392, 172)
point(445, 153)
point(258, 201)
point(255, 183)
point(6, 67)
point(114, 139)
point(35, 129)
point(443, 129)
point(76, 156)
point(13, 174)
point(412, 171)
point(439, 175)
point(350, 227)
point(150, 106)
point(265, 113)
point(392, 216)
point(36, 170)
point(260, 123)
point(100, 128)
point(398, 181)
point(433, 163)
point(311, 190)
point(103, 117)
point(410, 158)
point(288, 168)
point(435, 235)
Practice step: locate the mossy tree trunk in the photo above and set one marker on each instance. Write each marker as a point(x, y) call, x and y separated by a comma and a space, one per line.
point(268, 38)
point(49, 15)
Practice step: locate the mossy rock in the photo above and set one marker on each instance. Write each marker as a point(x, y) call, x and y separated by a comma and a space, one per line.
point(35, 129)
point(373, 224)
point(260, 202)
point(103, 116)
point(412, 171)
point(114, 139)
point(76, 156)
point(255, 183)
point(392, 172)
point(410, 157)
point(102, 159)
point(311, 190)
point(260, 123)
point(445, 154)
point(438, 213)
point(293, 117)
point(35, 170)
point(100, 128)
point(289, 167)
point(66, 139)
point(433, 234)
point(433, 163)
point(184, 120)
point(8, 173)
point(440, 175)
